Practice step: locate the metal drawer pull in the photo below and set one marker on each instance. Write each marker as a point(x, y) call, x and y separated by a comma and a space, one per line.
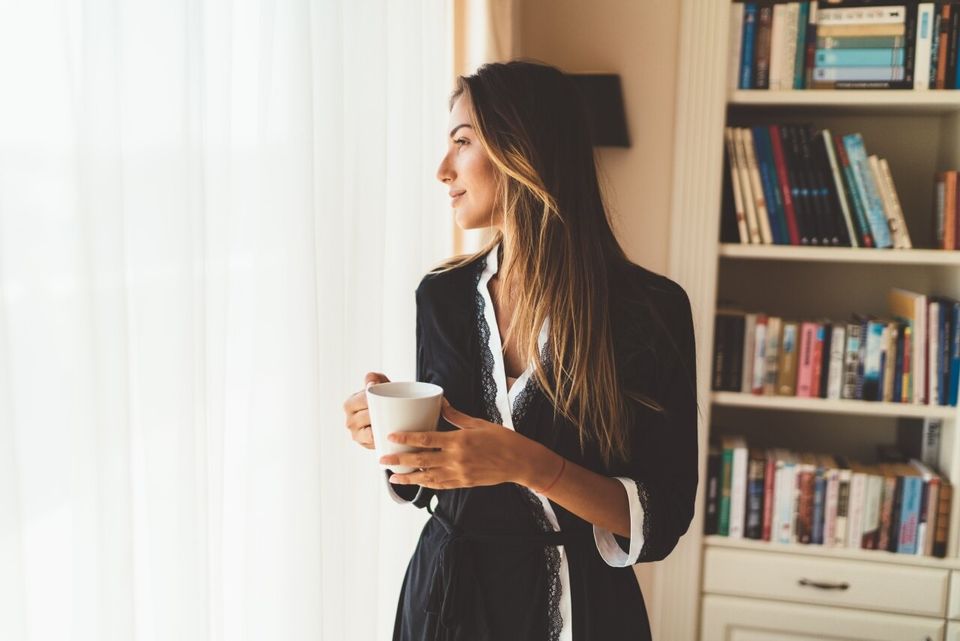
point(824, 586)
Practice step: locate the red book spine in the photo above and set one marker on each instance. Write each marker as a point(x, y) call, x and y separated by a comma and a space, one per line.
point(768, 496)
point(784, 183)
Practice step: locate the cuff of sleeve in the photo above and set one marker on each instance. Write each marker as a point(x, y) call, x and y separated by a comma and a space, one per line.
point(401, 493)
point(610, 550)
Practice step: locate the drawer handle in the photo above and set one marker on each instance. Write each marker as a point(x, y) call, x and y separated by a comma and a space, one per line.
point(822, 585)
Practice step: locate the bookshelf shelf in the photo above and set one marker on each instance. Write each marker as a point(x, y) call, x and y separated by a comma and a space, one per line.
point(819, 551)
point(830, 406)
point(892, 257)
point(941, 101)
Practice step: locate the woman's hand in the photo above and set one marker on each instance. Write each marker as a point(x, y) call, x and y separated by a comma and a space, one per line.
point(479, 453)
point(358, 417)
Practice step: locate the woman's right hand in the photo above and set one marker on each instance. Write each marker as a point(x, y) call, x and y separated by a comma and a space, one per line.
point(358, 416)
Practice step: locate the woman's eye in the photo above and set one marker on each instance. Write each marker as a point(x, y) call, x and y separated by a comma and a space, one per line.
point(460, 141)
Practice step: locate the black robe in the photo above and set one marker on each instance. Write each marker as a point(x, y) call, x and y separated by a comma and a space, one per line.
point(502, 562)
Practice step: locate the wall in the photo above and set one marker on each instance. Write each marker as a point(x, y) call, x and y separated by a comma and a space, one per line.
point(639, 40)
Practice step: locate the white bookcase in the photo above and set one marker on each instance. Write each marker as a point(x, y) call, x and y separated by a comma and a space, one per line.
point(748, 589)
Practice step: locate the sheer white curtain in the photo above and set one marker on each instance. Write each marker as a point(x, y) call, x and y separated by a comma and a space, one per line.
point(213, 217)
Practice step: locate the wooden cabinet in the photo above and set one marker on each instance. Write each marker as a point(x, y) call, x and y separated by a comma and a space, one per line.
point(741, 619)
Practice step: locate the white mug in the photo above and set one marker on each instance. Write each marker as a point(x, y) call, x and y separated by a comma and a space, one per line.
point(402, 407)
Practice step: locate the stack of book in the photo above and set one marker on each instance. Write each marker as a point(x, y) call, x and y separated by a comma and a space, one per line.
point(782, 496)
point(783, 45)
point(911, 357)
point(794, 185)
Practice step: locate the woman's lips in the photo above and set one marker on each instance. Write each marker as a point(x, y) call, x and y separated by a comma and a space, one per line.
point(456, 198)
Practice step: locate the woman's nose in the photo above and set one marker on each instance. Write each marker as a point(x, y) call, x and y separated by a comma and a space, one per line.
point(444, 172)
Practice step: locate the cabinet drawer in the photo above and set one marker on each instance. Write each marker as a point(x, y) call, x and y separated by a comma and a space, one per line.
point(726, 618)
point(953, 605)
point(807, 579)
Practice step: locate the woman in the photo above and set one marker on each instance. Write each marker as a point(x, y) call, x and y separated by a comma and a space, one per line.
point(568, 447)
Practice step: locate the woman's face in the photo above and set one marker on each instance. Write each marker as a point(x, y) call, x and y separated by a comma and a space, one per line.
point(467, 171)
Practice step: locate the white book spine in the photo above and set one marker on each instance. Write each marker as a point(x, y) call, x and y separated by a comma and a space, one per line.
point(777, 46)
point(738, 492)
point(735, 182)
point(749, 339)
point(921, 65)
point(855, 510)
point(905, 242)
point(892, 222)
point(791, 24)
point(835, 375)
point(746, 187)
point(735, 44)
point(840, 535)
point(892, 14)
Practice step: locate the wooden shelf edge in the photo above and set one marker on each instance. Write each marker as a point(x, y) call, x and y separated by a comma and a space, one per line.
point(936, 257)
point(819, 551)
point(938, 100)
point(831, 406)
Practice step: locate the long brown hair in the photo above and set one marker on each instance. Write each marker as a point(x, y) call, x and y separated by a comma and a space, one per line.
point(562, 251)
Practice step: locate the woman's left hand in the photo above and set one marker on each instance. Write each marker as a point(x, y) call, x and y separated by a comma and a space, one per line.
point(479, 453)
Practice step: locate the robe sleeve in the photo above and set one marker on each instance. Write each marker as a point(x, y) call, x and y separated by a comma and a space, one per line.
point(417, 494)
point(661, 476)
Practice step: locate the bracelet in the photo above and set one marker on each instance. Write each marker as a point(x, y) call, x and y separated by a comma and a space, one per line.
point(563, 464)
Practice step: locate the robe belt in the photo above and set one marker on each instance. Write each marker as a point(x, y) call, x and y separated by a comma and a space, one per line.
point(453, 589)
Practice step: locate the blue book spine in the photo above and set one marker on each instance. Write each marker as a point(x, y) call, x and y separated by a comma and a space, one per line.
point(873, 362)
point(943, 354)
point(819, 494)
point(771, 185)
point(746, 45)
point(909, 514)
point(800, 61)
point(859, 57)
point(859, 208)
point(955, 354)
point(857, 154)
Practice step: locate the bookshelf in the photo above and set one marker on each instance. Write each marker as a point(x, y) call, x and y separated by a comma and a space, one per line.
point(919, 133)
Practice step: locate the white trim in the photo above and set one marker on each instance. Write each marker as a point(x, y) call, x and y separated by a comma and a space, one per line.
point(609, 549)
point(505, 404)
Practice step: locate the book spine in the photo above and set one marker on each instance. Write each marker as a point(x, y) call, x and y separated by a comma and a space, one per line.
point(942, 527)
point(921, 76)
point(783, 179)
point(843, 509)
point(868, 42)
point(768, 490)
point(863, 15)
point(803, 19)
point(871, 366)
point(830, 507)
point(804, 366)
point(735, 44)
point(870, 74)
point(711, 520)
point(734, 172)
point(838, 192)
point(819, 500)
point(725, 479)
point(837, 344)
point(747, 45)
point(856, 199)
point(851, 361)
point(761, 78)
point(738, 492)
point(760, 354)
point(860, 58)
point(909, 514)
point(875, 215)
